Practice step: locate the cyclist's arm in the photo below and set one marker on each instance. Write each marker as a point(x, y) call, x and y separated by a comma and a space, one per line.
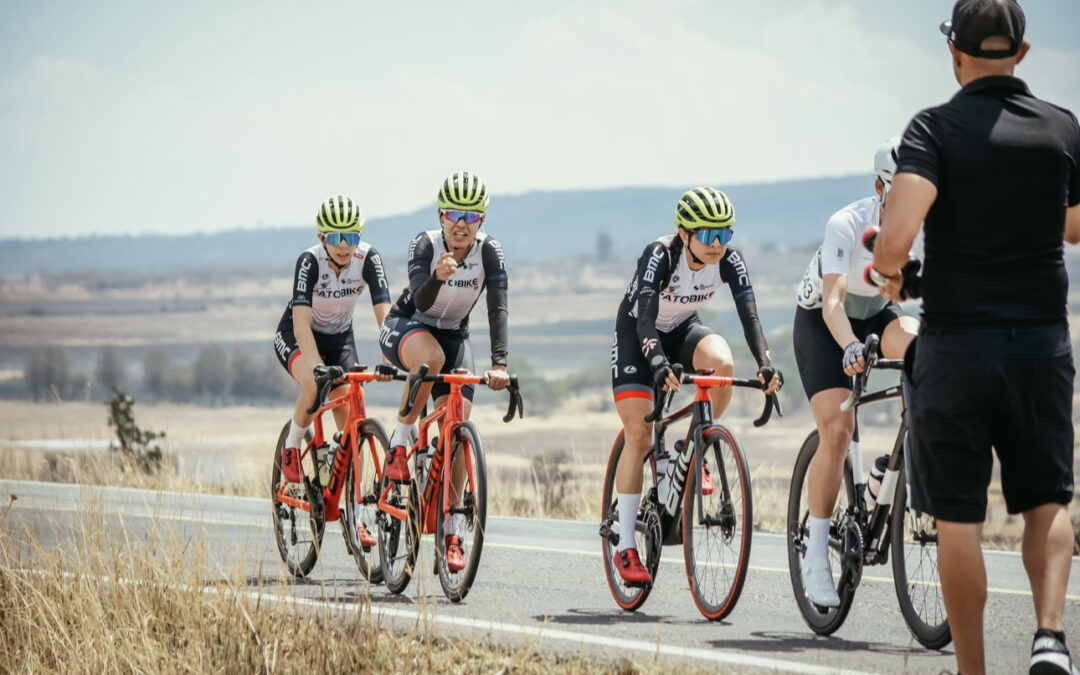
point(909, 201)
point(648, 301)
point(496, 282)
point(1072, 224)
point(736, 274)
point(304, 278)
point(423, 284)
point(834, 291)
point(375, 277)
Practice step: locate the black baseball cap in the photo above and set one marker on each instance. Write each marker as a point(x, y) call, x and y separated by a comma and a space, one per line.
point(975, 20)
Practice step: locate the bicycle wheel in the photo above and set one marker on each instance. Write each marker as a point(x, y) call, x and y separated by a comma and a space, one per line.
point(298, 532)
point(469, 508)
point(648, 534)
point(915, 571)
point(823, 621)
point(717, 551)
point(362, 502)
point(399, 542)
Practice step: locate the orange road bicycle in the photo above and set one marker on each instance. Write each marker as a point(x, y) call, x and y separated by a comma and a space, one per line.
point(714, 526)
point(301, 510)
point(408, 508)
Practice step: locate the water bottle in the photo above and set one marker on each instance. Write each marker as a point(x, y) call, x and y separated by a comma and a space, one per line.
point(873, 483)
point(423, 464)
point(325, 455)
point(663, 480)
point(676, 471)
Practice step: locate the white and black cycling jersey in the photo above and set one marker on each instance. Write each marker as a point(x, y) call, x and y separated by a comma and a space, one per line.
point(332, 295)
point(842, 252)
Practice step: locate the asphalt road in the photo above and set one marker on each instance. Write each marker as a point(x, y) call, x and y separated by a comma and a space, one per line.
point(543, 580)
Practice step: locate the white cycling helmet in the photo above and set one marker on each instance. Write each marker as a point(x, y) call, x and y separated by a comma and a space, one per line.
point(885, 161)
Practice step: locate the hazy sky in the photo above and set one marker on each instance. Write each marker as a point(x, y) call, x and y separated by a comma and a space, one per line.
point(125, 117)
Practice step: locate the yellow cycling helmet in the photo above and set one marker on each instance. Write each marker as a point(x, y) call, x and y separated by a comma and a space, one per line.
point(339, 214)
point(704, 207)
point(465, 191)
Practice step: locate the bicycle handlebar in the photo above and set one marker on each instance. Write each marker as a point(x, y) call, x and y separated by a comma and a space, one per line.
point(663, 398)
point(421, 376)
point(325, 376)
point(870, 356)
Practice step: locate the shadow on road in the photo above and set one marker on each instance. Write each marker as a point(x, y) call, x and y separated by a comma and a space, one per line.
point(792, 643)
point(585, 617)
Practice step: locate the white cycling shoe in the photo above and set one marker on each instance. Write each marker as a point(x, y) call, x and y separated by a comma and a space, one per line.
point(818, 582)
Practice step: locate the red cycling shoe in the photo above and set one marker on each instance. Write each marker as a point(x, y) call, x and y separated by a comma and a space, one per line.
point(397, 466)
point(631, 570)
point(366, 539)
point(707, 486)
point(290, 465)
point(455, 559)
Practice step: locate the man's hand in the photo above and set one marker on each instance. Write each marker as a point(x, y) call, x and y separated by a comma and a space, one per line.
point(853, 358)
point(445, 268)
point(893, 290)
point(497, 378)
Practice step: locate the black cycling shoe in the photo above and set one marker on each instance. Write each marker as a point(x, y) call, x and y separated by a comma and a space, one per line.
point(1050, 656)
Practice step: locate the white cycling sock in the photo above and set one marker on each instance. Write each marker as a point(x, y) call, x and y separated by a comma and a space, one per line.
point(404, 435)
point(817, 545)
point(628, 507)
point(451, 523)
point(296, 435)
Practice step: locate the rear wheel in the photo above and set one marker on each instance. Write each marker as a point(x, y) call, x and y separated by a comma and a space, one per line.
point(716, 546)
point(468, 509)
point(823, 621)
point(648, 534)
point(915, 571)
point(399, 541)
point(362, 498)
point(297, 531)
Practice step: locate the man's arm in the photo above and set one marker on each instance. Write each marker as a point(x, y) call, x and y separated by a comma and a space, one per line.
point(906, 207)
point(1072, 224)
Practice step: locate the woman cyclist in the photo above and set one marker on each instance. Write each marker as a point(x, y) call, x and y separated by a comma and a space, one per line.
point(429, 324)
point(836, 311)
point(317, 326)
point(658, 324)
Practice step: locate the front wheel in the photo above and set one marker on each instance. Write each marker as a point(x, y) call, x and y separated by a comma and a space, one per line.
point(468, 509)
point(297, 531)
point(361, 497)
point(716, 544)
point(915, 571)
point(399, 541)
point(647, 533)
point(823, 621)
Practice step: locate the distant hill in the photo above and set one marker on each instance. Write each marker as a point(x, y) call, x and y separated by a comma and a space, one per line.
point(532, 227)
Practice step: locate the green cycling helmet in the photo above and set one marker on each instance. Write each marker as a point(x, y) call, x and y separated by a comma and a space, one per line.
point(339, 214)
point(704, 207)
point(465, 191)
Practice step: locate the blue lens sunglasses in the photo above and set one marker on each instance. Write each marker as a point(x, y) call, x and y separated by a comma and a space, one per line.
point(470, 217)
point(707, 235)
point(335, 238)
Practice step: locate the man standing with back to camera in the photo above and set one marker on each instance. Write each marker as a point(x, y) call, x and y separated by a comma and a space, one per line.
point(995, 174)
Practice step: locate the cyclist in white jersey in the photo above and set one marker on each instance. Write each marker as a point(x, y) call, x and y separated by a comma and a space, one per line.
point(317, 325)
point(658, 323)
point(429, 324)
point(836, 311)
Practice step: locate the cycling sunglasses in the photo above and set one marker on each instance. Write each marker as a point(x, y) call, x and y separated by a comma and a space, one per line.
point(335, 238)
point(707, 235)
point(470, 217)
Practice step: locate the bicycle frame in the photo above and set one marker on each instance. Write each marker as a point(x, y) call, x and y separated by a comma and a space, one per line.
point(349, 448)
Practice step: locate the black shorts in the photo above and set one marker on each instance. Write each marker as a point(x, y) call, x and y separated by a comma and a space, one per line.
point(819, 358)
point(631, 376)
point(976, 388)
point(455, 345)
point(335, 349)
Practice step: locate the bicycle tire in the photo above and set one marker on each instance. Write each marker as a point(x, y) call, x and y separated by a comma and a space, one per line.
point(649, 537)
point(398, 566)
point(291, 524)
point(717, 583)
point(363, 506)
point(829, 621)
point(471, 524)
point(928, 621)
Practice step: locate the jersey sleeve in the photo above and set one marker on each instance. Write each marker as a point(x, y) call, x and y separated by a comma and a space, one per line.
point(654, 267)
point(375, 277)
point(920, 147)
point(496, 282)
point(423, 285)
point(736, 275)
point(307, 270)
point(838, 243)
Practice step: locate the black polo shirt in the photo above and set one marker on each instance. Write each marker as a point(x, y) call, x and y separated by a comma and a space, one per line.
point(1006, 166)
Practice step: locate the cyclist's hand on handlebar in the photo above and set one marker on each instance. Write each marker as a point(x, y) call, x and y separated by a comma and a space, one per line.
point(772, 378)
point(854, 363)
point(665, 377)
point(497, 378)
point(384, 372)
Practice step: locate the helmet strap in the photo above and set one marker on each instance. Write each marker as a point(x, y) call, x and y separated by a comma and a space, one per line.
point(330, 258)
point(690, 251)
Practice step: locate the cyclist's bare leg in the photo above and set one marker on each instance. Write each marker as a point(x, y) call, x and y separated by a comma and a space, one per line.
point(714, 353)
point(301, 371)
point(629, 474)
point(898, 335)
point(457, 469)
point(963, 585)
point(1047, 550)
point(835, 429)
point(418, 349)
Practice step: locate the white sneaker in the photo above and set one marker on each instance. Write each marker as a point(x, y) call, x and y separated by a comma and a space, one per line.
point(818, 582)
point(1050, 657)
